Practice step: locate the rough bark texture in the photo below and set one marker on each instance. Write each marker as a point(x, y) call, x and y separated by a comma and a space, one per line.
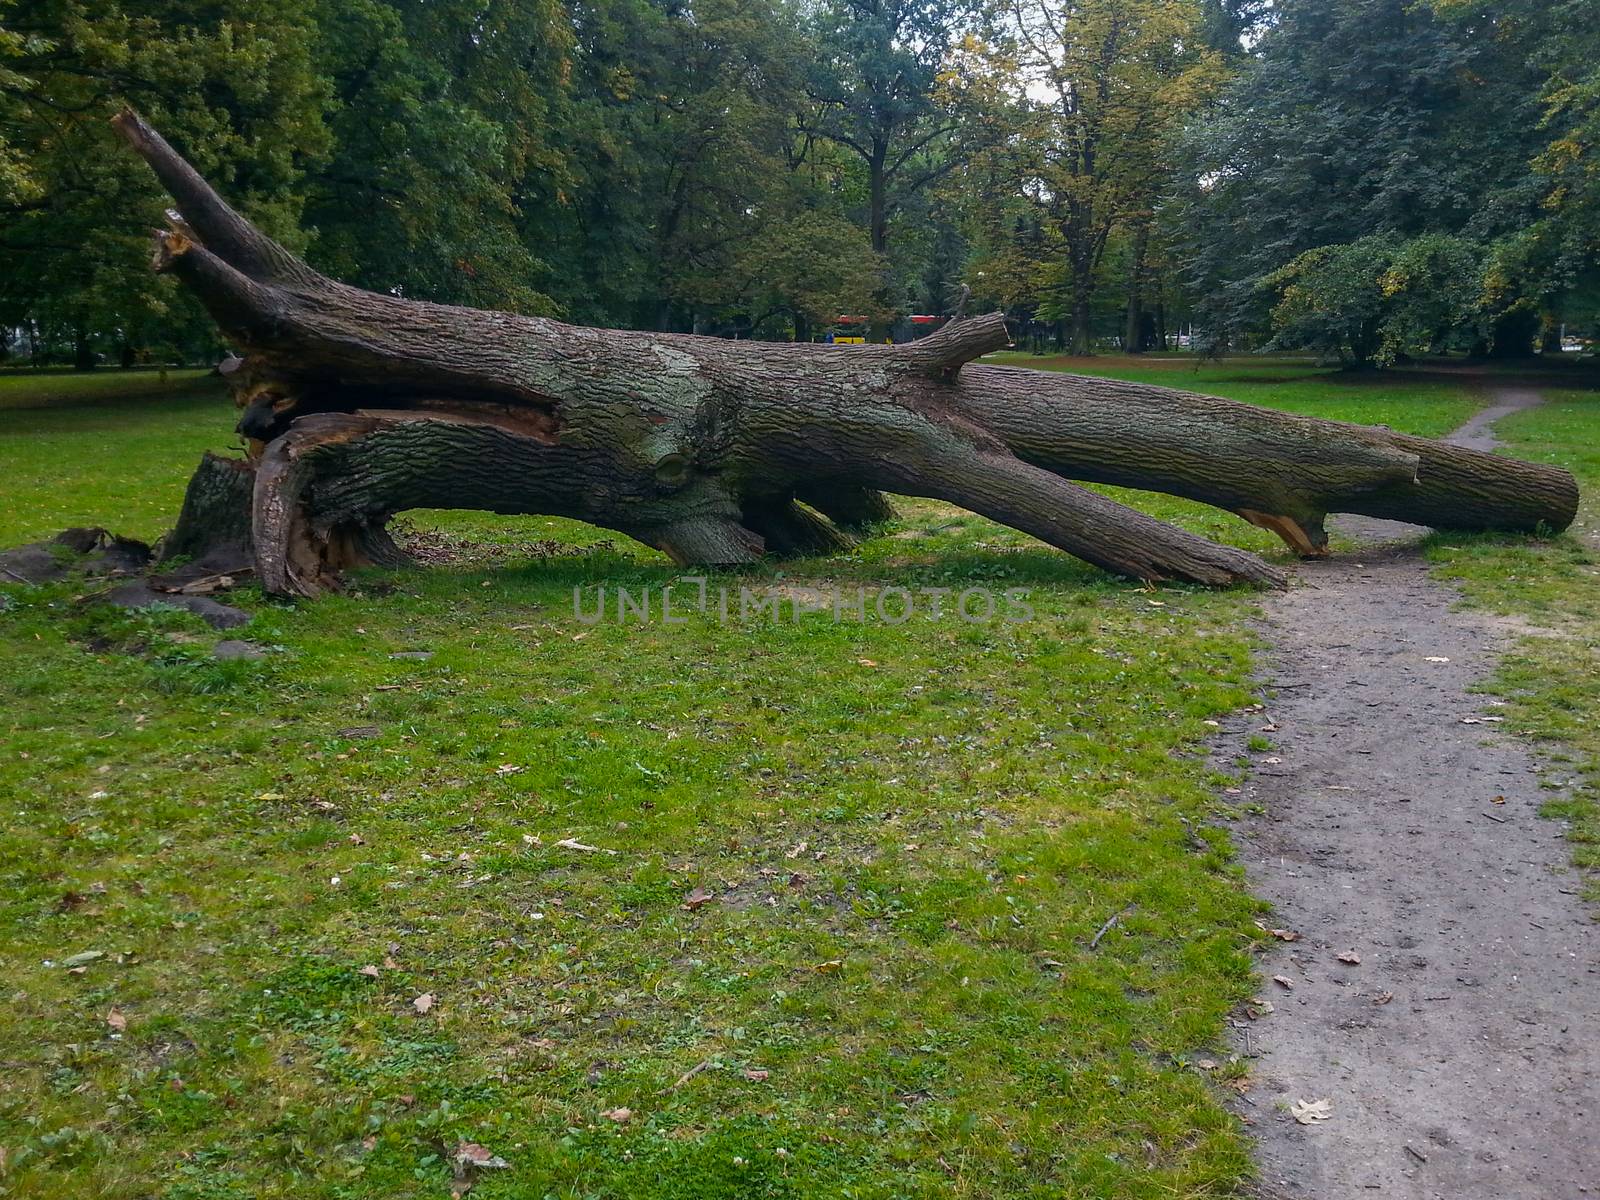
point(360, 405)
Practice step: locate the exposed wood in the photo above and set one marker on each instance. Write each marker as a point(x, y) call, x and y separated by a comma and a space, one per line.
point(360, 405)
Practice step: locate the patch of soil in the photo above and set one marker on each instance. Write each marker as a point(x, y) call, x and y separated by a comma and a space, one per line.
point(1460, 1053)
point(432, 548)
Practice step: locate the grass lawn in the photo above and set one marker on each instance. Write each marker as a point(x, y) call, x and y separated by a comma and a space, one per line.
point(1428, 407)
point(228, 886)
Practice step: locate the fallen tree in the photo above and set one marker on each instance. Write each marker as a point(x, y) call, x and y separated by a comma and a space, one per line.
point(358, 405)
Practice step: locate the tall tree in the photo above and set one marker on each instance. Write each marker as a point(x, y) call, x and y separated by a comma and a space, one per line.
point(875, 91)
point(1103, 86)
point(1357, 119)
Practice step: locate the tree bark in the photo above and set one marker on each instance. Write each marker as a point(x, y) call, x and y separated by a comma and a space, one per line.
point(1133, 326)
point(360, 405)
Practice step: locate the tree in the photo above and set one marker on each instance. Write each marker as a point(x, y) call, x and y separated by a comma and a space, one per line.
point(875, 91)
point(1354, 120)
point(439, 112)
point(361, 404)
point(1101, 86)
point(1375, 301)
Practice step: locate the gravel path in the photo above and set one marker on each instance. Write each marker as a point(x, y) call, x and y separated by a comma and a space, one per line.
point(1461, 1055)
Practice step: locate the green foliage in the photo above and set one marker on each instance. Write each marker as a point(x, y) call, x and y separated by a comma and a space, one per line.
point(1097, 89)
point(756, 168)
point(1379, 300)
point(1376, 123)
point(437, 114)
point(231, 83)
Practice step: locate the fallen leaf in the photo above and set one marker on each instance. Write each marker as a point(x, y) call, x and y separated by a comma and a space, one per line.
point(116, 1020)
point(509, 769)
point(1383, 997)
point(1349, 956)
point(829, 967)
point(1309, 1111)
point(756, 1075)
point(370, 971)
point(798, 850)
point(1270, 760)
point(83, 959)
point(865, 662)
point(423, 1003)
point(1498, 800)
point(389, 964)
point(697, 898)
point(1283, 935)
point(1435, 658)
point(1283, 981)
point(1206, 1064)
point(620, 1115)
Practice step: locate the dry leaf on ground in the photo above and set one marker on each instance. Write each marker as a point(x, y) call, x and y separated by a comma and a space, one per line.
point(1349, 956)
point(1307, 1112)
point(423, 1003)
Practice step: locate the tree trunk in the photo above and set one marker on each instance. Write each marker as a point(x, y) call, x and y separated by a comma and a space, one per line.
point(1079, 347)
point(1133, 326)
point(82, 350)
point(360, 405)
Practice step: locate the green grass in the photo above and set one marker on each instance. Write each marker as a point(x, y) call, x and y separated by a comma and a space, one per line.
point(913, 832)
point(111, 448)
point(1426, 407)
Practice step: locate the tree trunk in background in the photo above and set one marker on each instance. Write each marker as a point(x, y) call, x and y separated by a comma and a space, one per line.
point(1133, 327)
point(363, 405)
point(1079, 344)
point(82, 350)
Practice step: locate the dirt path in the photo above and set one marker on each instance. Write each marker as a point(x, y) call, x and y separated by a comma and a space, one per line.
point(1462, 1054)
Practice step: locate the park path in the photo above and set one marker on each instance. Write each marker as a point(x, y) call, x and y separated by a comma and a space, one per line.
point(1461, 1055)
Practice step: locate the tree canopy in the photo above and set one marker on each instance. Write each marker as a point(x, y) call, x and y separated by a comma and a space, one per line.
point(1369, 179)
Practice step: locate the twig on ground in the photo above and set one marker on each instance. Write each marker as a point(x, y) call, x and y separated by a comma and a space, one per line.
point(1111, 921)
point(687, 1075)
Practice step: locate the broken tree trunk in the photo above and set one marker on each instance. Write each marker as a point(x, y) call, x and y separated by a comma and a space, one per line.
point(359, 405)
